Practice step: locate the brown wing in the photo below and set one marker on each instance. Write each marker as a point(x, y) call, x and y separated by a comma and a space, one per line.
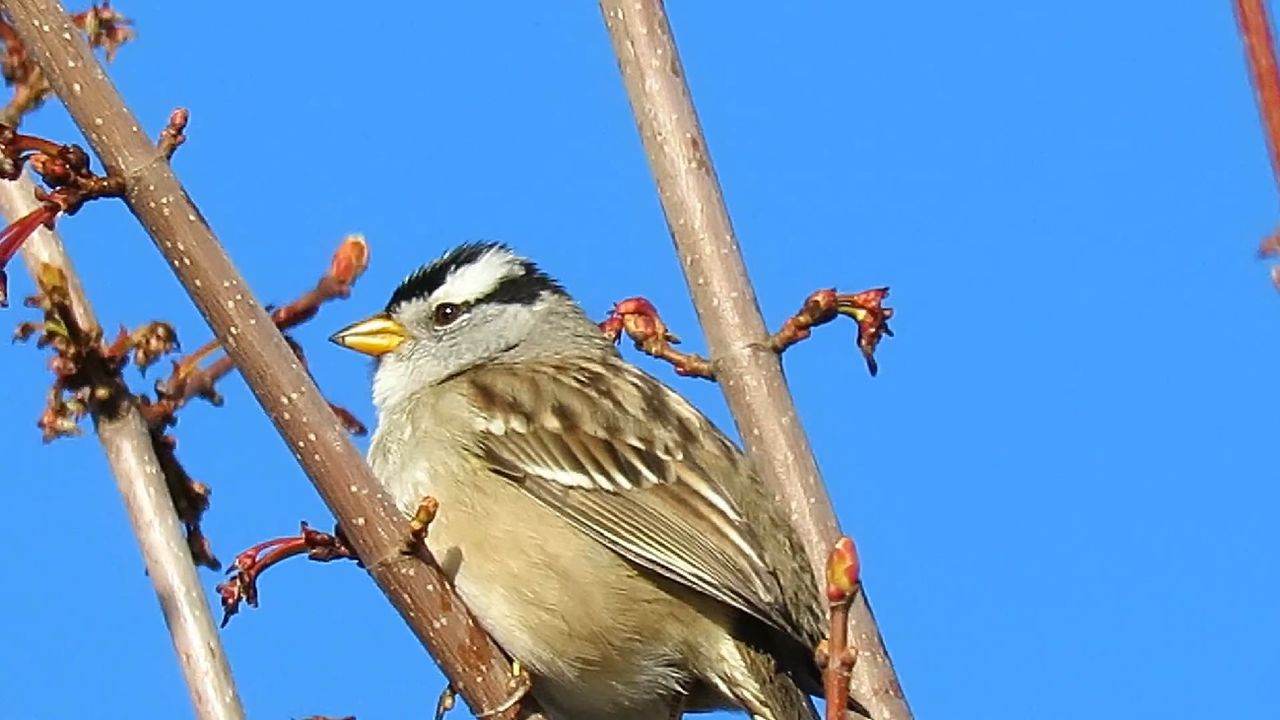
point(634, 466)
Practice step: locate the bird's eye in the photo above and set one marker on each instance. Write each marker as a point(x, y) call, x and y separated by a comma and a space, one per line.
point(446, 313)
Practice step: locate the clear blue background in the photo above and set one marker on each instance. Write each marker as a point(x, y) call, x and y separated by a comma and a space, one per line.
point(1063, 482)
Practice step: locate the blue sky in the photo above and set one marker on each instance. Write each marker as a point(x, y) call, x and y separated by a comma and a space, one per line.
point(1062, 483)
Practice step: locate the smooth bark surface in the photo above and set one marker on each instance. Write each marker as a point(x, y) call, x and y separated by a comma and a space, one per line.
point(749, 372)
point(141, 482)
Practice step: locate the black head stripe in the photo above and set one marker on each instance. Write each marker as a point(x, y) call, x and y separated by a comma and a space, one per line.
point(523, 288)
point(431, 276)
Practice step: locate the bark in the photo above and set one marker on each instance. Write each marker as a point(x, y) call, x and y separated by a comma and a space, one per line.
point(375, 527)
point(141, 482)
point(750, 373)
point(1260, 52)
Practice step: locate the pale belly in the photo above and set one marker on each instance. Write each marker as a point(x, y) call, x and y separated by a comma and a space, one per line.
point(600, 639)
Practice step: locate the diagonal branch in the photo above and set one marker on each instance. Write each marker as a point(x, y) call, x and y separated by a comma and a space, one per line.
point(418, 590)
point(1260, 52)
point(141, 481)
point(749, 370)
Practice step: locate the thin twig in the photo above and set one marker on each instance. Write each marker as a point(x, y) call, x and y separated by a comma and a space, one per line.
point(141, 482)
point(189, 380)
point(375, 527)
point(640, 321)
point(838, 659)
point(249, 565)
point(748, 369)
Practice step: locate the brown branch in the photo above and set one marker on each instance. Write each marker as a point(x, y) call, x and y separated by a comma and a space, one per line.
point(1260, 53)
point(1255, 31)
point(88, 375)
point(420, 592)
point(189, 380)
point(140, 479)
point(101, 24)
point(65, 168)
point(749, 371)
point(640, 321)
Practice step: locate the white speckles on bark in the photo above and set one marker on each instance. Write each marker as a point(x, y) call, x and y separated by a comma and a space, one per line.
point(703, 234)
point(270, 368)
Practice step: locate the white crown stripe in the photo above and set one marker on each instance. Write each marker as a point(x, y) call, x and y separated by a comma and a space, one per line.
point(470, 282)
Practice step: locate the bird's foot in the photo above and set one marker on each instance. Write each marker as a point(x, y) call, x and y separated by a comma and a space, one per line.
point(420, 523)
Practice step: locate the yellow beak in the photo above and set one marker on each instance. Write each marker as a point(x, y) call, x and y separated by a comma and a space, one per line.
point(373, 336)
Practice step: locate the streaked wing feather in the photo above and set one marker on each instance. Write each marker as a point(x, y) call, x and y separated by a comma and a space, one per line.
point(624, 479)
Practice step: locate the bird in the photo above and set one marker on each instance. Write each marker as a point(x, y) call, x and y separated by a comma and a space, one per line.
point(608, 536)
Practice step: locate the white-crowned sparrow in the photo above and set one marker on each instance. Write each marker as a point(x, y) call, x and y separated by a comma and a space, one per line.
point(599, 527)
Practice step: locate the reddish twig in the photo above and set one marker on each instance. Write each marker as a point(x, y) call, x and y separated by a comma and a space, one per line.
point(88, 380)
point(823, 306)
point(639, 320)
point(251, 563)
point(322, 547)
point(837, 658)
point(12, 237)
point(189, 380)
point(87, 371)
point(88, 377)
point(173, 134)
point(72, 182)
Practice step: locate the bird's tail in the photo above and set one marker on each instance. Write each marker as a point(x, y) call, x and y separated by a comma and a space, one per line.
point(771, 694)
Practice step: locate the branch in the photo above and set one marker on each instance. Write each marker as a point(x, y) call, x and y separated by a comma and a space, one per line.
point(844, 581)
point(1255, 31)
point(1260, 53)
point(639, 319)
point(251, 563)
point(749, 370)
point(141, 482)
point(419, 591)
point(189, 380)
